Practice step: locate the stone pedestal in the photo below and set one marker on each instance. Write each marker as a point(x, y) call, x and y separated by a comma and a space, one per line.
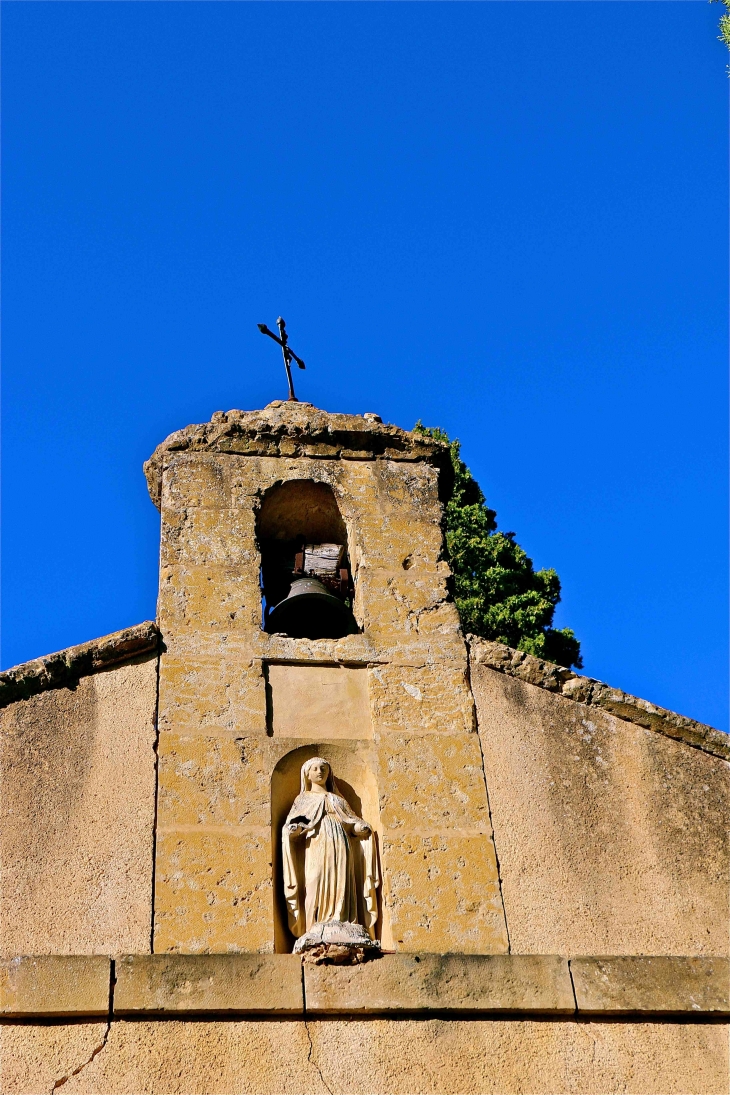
point(336, 943)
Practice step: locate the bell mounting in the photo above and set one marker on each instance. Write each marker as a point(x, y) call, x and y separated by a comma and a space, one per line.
point(314, 607)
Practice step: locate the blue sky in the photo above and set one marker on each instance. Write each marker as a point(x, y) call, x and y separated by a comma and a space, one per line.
point(506, 219)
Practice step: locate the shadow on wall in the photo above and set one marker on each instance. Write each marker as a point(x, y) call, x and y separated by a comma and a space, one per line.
point(351, 763)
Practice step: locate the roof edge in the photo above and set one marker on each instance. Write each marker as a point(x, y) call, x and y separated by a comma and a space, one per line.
point(587, 690)
point(68, 666)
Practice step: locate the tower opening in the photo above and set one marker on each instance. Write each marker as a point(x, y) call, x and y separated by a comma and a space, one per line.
point(306, 581)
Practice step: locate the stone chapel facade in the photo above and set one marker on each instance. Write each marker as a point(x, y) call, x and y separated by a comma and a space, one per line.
point(550, 857)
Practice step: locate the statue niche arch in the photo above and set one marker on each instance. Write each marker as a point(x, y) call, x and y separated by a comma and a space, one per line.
point(306, 583)
point(352, 765)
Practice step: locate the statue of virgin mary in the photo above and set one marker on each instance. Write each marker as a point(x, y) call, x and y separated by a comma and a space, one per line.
point(329, 857)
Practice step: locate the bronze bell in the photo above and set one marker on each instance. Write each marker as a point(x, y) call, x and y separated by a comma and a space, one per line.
point(309, 611)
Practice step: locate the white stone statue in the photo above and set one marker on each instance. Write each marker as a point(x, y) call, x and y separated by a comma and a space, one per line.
point(329, 857)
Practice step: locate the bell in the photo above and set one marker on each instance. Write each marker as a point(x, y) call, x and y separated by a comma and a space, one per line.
point(309, 611)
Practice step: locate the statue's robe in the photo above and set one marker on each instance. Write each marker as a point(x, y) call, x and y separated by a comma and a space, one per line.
point(329, 873)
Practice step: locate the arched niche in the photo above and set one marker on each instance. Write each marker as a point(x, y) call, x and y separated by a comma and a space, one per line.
point(301, 506)
point(352, 764)
point(301, 534)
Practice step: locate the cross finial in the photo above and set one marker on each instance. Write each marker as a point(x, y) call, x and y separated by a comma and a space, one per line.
point(289, 355)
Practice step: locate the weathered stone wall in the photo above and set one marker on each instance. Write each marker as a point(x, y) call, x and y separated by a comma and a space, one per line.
point(78, 794)
point(369, 1056)
point(611, 837)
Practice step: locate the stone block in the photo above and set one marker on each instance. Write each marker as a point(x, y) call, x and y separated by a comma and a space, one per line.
point(159, 984)
point(397, 537)
point(208, 779)
point(400, 488)
point(250, 476)
point(199, 536)
point(213, 891)
point(656, 985)
point(353, 650)
point(394, 604)
point(440, 630)
point(390, 540)
point(432, 781)
point(195, 479)
point(247, 475)
point(53, 986)
point(208, 600)
point(430, 698)
point(327, 701)
point(441, 982)
point(206, 690)
point(442, 893)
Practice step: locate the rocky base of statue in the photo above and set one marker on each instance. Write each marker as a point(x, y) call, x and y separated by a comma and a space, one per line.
point(336, 943)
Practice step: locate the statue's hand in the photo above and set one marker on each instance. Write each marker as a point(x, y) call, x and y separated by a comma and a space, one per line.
point(295, 829)
point(361, 828)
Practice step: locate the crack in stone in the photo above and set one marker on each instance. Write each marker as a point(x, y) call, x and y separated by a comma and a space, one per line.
point(572, 985)
point(311, 1061)
point(97, 1050)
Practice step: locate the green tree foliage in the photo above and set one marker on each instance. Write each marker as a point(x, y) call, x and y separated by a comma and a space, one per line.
point(498, 593)
point(724, 25)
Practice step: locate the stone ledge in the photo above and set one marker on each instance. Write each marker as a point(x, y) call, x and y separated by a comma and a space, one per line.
point(279, 985)
point(67, 666)
point(538, 984)
point(55, 986)
point(656, 986)
point(554, 678)
point(161, 984)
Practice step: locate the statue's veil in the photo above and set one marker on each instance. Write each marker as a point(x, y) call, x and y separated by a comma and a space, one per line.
point(305, 781)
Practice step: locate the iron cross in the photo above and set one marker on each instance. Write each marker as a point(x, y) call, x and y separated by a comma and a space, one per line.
point(289, 355)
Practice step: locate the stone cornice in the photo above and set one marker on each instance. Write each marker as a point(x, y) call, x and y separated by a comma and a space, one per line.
point(296, 430)
point(554, 678)
point(68, 666)
point(420, 985)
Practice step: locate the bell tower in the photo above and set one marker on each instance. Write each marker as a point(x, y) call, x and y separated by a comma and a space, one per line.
point(305, 611)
